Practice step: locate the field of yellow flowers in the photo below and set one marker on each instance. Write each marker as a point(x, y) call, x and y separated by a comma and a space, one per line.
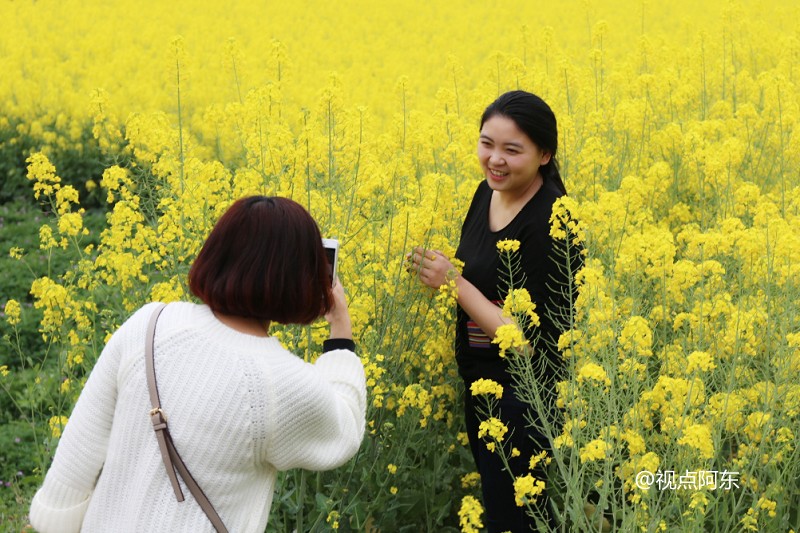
point(680, 148)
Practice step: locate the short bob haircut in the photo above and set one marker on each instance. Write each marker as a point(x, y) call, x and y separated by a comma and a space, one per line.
point(264, 259)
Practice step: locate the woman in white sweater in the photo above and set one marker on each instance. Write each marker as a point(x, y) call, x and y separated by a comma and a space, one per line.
point(240, 407)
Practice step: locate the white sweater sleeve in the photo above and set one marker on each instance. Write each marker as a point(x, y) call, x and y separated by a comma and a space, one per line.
point(60, 504)
point(319, 414)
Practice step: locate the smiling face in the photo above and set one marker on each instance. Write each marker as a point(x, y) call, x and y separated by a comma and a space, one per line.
point(509, 159)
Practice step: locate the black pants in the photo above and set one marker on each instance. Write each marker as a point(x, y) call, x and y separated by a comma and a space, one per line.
point(497, 484)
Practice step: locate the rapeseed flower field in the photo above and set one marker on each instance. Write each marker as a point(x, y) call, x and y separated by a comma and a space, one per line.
point(680, 148)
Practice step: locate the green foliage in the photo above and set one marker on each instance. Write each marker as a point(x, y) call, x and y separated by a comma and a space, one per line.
point(78, 163)
point(20, 221)
point(19, 472)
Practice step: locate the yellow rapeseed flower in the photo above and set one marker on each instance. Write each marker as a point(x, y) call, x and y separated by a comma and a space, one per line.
point(70, 224)
point(13, 312)
point(768, 505)
point(699, 361)
point(509, 337)
point(698, 436)
point(538, 458)
point(594, 450)
point(493, 428)
point(470, 480)
point(57, 424)
point(469, 515)
point(593, 372)
point(526, 489)
point(333, 520)
point(518, 303)
point(43, 174)
point(486, 386)
point(508, 245)
point(636, 337)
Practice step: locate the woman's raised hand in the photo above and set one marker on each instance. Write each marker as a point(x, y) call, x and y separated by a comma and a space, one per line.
point(432, 266)
point(338, 316)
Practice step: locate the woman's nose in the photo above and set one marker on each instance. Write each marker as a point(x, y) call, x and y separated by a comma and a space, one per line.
point(496, 158)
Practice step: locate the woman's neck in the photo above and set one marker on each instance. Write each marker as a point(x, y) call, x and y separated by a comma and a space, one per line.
point(517, 198)
point(250, 326)
point(506, 205)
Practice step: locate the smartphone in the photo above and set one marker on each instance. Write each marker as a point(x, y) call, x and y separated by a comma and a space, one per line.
point(331, 247)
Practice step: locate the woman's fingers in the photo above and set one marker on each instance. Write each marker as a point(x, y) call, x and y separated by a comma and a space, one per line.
point(429, 265)
point(420, 255)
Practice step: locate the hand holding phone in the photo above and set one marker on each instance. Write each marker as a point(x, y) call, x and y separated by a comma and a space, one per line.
point(339, 317)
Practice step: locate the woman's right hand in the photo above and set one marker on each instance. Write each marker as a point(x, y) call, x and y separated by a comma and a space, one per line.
point(432, 267)
point(338, 316)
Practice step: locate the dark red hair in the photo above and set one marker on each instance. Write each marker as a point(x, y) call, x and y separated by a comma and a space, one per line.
point(264, 259)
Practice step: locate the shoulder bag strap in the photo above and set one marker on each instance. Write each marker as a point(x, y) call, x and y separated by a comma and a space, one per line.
point(172, 460)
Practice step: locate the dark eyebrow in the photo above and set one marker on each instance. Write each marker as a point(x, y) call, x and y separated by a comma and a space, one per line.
point(507, 145)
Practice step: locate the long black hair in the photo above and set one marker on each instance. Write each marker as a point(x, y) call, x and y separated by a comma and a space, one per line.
point(533, 117)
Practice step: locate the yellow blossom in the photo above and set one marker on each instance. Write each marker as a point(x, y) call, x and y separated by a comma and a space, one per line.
point(469, 515)
point(701, 361)
point(538, 458)
point(486, 386)
point(768, 505)
point(698, 436)
point(637, 337)
point(493, 428)
point(526, 489)
point(699, 501)
point(470, 480)
point(57, 424)
point(70, 224)
point(42, 172)
point(636, 444)
point(509, 337)
point(517, 303)
point(757, 425)
point(12, 310)
point(333, 520)
point(508, 245)
point(595, 450)
point(593, 372)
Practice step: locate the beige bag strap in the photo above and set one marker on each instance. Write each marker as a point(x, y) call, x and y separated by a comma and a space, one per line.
point(172, 460)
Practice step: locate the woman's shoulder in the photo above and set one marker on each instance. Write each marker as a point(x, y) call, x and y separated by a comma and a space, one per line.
point(479, 201)
point(482, 189)
point(550, 192)
point(174, 315)
point(541, 205)
point(186, 310)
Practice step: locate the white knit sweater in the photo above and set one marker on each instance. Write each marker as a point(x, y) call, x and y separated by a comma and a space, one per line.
point(240, 408)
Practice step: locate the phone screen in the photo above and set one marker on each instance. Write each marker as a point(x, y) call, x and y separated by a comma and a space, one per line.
point(331, 254)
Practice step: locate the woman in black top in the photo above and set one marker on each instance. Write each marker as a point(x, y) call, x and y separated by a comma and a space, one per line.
point(516, 149)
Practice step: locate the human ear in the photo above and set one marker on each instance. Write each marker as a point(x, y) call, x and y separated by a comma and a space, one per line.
point(545, 158)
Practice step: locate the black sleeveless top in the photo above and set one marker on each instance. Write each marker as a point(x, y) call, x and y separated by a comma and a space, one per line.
point(545, 280)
